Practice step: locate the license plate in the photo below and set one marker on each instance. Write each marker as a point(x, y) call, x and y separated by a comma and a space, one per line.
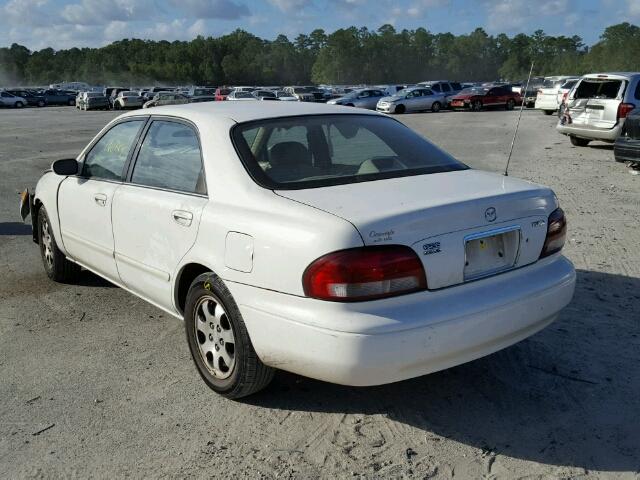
point(490, 252)
point(457, 104)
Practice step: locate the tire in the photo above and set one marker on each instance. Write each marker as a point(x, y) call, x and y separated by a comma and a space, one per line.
point(71, 102)
point(435, 107)
point(547, 112)
point(18, 105)
point(116, 106)
point(510, 104)
point(578, 142)
point(476, 105)
point(212, 323)
point(56, 265)
point(400, 109)
point(41, 103)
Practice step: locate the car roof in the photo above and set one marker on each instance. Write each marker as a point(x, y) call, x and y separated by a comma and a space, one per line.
point(247, 111)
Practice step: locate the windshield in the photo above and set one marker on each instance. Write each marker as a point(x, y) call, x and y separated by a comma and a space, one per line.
point(321, 150)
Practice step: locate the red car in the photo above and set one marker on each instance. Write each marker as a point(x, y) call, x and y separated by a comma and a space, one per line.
point(477, 98)
point(221, 93)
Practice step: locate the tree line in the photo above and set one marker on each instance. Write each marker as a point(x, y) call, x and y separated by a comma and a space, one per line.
point(346, 56)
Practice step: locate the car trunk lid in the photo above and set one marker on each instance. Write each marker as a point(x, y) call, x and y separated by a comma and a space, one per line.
point(595, 101)
point(463, 225)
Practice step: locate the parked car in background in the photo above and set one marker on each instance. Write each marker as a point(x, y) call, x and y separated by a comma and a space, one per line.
point(201, 94)
point(529, 97)
point(285, 96)
point(446, 87)
point(31, 96)
point(112, 93)
point(390, 90)
point(303, 94)
point(477, 98)
point(413, 99)
point(59, 97)
point(240, 95)
point(547, 98)
point(9, 100)
point(221, 93)
point(128, 99)
point(166, 98)
point(597, 106)
point(264, 94)
point(92, 101)
point(423, 263)
point(365, 98)
point(627, 146)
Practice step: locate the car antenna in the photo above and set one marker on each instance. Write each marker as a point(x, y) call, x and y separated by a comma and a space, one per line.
point(513, 141)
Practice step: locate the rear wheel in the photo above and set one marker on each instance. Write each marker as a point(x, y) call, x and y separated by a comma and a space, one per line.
point(476, 105)
point(18, 104)
point(41, 103)
point(547, 112)
point(219, 342)
point(71, 102)
point(578, 142)
point(400, 109)
point(56, 265)
point(435, 108)
point(510, 104)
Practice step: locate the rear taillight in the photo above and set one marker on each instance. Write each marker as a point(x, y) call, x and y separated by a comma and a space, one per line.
point(624, 109)
point(364, 274)
point(564, 96)
point(556, 233)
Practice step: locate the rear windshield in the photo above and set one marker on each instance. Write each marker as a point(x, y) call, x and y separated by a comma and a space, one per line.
point(595, 88)
point(321, 150)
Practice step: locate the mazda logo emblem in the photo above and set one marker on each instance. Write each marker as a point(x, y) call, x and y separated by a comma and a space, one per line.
point(490, 214)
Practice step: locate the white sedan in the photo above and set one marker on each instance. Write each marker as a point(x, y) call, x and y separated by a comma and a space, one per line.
point(332, 243)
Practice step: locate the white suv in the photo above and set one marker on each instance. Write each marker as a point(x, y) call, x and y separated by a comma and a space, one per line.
point(597, 106)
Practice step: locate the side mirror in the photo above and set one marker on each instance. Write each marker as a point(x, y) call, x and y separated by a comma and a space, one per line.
point(65, 167)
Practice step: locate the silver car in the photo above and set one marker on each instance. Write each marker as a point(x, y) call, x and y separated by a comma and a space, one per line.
point(364, 98)
point(9, 100)
point(597, 106)
point(412, 99)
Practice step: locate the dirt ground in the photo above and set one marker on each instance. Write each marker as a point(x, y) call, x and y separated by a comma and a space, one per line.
point(96, 383)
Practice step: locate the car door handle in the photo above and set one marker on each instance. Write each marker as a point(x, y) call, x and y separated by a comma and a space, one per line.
point(182, 217)
point(100, 199)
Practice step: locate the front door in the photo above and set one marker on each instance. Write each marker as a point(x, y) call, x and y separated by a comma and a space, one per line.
point(156, 213)
point(85, 201)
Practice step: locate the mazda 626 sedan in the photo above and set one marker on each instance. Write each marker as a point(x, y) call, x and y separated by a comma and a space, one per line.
point(335, 244)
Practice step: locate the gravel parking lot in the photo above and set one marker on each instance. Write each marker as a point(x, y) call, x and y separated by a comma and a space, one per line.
point(97, 383)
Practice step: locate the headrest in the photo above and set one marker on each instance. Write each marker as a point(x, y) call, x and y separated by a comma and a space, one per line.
point(289, 154)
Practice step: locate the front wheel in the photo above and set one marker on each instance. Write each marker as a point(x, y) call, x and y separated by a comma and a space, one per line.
point(71, 103)
point(511, 104)
point(56, 265)
point(435, 107)
point(18, 105)
point(548, 112)
point(219, 342)
point(41, 103)
point(578, 142)
point(400, 109)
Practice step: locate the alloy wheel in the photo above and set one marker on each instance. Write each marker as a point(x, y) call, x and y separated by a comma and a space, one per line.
point(215, 337)
point(47, 243)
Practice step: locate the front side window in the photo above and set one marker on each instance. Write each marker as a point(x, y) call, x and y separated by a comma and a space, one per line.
point(435, 88)
point(321, 150)
point(107, 157)
point(170, 158)
point(446, 87)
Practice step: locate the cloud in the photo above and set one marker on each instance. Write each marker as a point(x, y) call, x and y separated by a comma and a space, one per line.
point(514, 15)
point(96, 12)
point(221, 9)
point(633, 7)
point(290, 6)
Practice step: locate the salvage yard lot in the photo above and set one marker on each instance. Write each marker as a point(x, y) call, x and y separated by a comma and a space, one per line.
point(95, 382)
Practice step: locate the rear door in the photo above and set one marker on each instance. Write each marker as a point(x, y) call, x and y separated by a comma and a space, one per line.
point(156, 213)
point(85, 201)
point(594, 101)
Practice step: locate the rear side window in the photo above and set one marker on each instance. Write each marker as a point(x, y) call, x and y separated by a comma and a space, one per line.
point(107, 157)
point(456, 86)
point(445, 87)
point(435, 88)
point(170, 158)
point(604, 89)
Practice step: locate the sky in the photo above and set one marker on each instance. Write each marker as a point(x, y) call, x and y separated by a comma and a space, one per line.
point(79, 23)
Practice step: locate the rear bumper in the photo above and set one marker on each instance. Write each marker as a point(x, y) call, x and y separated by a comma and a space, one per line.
point(384, 341)
point(551, 105)
point(590, 133)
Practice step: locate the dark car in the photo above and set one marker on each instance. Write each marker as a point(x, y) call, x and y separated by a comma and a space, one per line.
point(477, 98)
point(31, 96)
point(627, 145)
point(201, 94)
point(59, 97)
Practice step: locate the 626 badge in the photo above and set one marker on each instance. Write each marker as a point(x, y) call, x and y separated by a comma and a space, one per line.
point(429, 248)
